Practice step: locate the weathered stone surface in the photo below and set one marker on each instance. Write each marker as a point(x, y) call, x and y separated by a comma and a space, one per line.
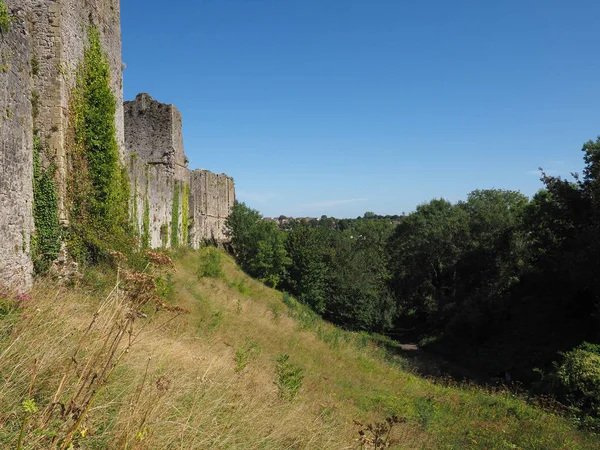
point(39, 58)
point(59, 37)
point(16, 151)
point(158, 166)
point(211, 199)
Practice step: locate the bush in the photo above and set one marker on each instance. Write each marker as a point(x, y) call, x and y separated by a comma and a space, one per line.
point(288, 378)
point(244, 354)
point(579, 376)
point(210, 264)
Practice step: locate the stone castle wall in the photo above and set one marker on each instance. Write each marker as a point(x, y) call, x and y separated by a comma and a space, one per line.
point(59, 36)
point(39, 59)
point(157, 165)
point(211, 199)
point(159, 174)
point(16, 151)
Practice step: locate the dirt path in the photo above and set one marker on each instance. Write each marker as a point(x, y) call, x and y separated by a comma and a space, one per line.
point(427, 363)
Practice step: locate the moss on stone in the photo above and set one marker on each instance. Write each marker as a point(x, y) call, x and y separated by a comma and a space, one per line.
point(185, 215)
point(5, 19)
point(164, 234)
point(146, 220)
point(175, 217)
point(134, 209)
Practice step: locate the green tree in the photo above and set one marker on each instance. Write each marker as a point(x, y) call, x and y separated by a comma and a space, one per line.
point(240, 225)
point(424, 253)
point(259, 246)
point(497, 246)
point(358, 295)
point(306, 276)
point(564, 227)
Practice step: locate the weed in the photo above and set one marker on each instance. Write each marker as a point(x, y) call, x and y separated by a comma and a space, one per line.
point(377, 435)
point(242, 288)
point(244, 354)
point(60, 420)
point(289, 301)
point(307, 319)
point(164, 235)
point(330, 335)
point(275, 312)
point(35, 104)
point(288, 378)
point(35, 65)
point(215, 320)
point(426, 410)
point(5, 19)
point(165, 287)
point(210, 264)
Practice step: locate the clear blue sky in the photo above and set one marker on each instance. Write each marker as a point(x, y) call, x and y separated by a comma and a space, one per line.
point(339, 107)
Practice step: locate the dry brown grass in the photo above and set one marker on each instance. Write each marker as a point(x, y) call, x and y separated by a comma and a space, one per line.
point(180, 386)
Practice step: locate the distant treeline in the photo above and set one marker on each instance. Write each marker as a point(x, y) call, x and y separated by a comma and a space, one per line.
point(498, 281)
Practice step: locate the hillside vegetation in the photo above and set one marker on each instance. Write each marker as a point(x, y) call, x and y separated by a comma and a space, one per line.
point(498, 282)
point(107, 364)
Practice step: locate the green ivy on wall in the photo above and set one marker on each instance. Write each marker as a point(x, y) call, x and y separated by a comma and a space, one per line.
point(164, 234)
point(99, 188)
point(45, 241)
point(146, 219)
point(134, 209)
point(5, 18)
point(185, 215)
point(175, 217)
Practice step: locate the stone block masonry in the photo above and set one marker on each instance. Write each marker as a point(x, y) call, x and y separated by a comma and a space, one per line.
point(157, 167)
point(59, 36)
point(171, 205)
point(40, 55)
point(16, 151)
point(211, 198)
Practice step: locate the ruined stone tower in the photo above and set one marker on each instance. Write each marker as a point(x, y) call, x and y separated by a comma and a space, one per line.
point(162, 182)
point(39, 57)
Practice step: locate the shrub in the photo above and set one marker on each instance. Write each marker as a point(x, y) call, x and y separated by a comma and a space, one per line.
point(210, 264)
point(244, 354)
point(288, 378)
point(579, 376)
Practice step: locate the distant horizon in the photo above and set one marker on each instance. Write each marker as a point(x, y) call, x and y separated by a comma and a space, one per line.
point(401, 213)
point(337, 108)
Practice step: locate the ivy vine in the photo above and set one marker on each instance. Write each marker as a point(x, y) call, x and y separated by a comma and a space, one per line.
point(185, 215)
point(134, 209)
point(99, 188)
point(146, 220)
point(5, 18)
point(175, 217)
point(46, 240)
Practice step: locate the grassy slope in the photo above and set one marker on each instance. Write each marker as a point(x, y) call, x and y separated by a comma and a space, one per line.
point(190, 395)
